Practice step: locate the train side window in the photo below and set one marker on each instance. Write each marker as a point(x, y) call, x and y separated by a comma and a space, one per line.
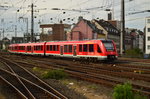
point(57, 47)
point(37, 48)
point(98, 49)
point(54, 47)
point(28, 48)
point(21, 47)
point(70, 48)
point(65, 48)
point(15, 47)
point(34, 47)
point(80, 48)
point(41, 47)
point(51, 48)
point(47, 47)
point(85, 48)
point(91, 48)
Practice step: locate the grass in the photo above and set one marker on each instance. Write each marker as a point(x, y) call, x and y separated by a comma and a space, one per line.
point(52, 74)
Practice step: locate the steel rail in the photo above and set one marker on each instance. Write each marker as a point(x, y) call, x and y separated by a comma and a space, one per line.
point(50, 95)
point(9, 76)
point(20, 94)
point(46, 86)
point(89, 71)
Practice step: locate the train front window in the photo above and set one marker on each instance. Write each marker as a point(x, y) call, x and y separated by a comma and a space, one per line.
point(108, 45)
point(98, 49)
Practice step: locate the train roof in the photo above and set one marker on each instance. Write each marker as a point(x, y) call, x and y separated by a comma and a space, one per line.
point(60, 42)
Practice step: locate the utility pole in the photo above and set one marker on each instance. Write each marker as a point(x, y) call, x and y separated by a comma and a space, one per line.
point(3, 33)
point(0, 35)
point(122, 34)
point(15, 30)
point(32, 23)
point(113, 10)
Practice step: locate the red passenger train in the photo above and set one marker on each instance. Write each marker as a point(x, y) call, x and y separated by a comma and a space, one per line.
point(89, 49)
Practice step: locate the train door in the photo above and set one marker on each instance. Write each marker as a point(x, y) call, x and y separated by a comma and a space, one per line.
point(74, 50)
point(61, 50)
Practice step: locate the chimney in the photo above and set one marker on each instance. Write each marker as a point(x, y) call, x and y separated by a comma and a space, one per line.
point(80, 18)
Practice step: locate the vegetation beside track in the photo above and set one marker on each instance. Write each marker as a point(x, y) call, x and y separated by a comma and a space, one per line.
point(124, 91)
point(52, 74)
point(134, 53)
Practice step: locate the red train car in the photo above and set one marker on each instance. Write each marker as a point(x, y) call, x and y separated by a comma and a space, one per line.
point(88, 49)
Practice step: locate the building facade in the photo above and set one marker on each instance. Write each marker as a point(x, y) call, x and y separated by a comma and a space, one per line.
point(85, 29)
point(147, 35)
point(53, 32)
point(95, 29)
point(134, 38)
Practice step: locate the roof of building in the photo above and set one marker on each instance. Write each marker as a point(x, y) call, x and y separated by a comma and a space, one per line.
point(108, 27)
point(93, 26)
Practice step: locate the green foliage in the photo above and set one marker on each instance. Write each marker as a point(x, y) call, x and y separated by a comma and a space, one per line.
point(54, 74)
point(92, 86)
point(138, 96)
point(38, 70)
point(136, 52)
point(123, 91)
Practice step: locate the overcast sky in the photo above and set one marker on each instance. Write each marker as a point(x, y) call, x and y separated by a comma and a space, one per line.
point(89, 9)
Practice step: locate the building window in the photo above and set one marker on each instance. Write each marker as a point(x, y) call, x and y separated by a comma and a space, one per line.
point(148, 29)
point(148, 38)
point(148, 20)
point(148, 47)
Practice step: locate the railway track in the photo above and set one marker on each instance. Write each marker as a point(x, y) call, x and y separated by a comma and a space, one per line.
point(26, 83)
point(97, 74)
point(117, 70)
point(106, 74)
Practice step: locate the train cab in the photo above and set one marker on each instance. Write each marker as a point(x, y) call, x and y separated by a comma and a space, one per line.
point(109, 49)
point(13, 48)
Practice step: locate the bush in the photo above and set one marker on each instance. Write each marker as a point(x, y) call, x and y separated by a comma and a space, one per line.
point(138, 96)
point(136, 52)
point(54, 74)
point(123, 91)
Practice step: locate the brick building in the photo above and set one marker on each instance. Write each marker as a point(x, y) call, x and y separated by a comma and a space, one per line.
point(53, 32)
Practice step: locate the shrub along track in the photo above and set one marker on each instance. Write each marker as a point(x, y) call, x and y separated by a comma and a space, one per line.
point(106, 74)
point(26, 83)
